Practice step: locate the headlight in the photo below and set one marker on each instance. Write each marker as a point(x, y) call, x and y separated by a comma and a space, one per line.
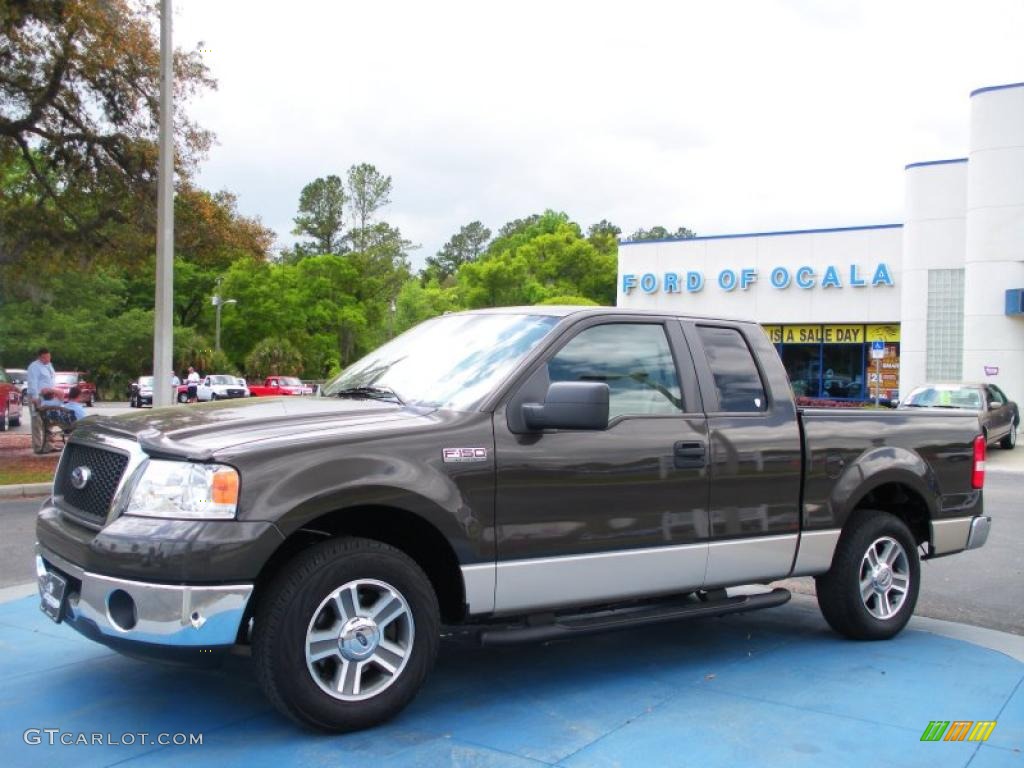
point(179, 489)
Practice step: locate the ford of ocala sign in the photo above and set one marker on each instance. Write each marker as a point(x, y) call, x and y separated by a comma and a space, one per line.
point(779, 277)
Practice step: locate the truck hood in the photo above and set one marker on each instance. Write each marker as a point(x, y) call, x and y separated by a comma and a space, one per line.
point(201, 431)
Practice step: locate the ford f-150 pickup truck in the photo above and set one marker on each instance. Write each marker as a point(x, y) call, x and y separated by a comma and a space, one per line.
point(507, 475)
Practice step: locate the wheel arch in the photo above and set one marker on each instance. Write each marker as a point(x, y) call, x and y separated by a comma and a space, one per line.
point(401, 528)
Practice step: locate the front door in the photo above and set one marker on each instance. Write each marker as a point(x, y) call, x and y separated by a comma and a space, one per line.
point(591, 516)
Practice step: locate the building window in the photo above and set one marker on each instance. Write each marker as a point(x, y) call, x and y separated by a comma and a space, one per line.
point(945, 342)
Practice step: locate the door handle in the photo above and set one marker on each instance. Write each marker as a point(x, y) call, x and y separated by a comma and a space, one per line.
point(689, 455)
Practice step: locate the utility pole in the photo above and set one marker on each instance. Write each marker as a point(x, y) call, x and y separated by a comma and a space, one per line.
point(163, 330)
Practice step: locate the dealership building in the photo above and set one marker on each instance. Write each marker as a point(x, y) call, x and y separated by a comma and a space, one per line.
point(880, 308)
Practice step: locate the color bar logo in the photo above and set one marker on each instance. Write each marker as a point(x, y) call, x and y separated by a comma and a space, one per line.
point(958, 730)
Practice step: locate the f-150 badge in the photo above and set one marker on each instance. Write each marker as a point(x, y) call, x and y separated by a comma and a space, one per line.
point(460, 455)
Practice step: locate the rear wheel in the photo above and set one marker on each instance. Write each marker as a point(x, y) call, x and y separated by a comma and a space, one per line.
point(5, 421)
point(14, 421)
point(346, 634)
point(1010, 441)
point(182, 397)
point(871, 589)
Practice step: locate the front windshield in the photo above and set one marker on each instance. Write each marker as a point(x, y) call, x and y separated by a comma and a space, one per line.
point(66, 378)
point(145, 381)
point(448, 362)
point(223, 380)
point(967, 398)
point(289, 381)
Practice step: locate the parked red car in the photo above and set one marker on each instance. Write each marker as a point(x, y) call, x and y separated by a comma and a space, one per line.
point(65, 380)
point(10, 402)
point(279, 385)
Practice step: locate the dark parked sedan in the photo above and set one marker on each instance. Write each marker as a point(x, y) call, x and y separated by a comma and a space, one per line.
point(998, 416)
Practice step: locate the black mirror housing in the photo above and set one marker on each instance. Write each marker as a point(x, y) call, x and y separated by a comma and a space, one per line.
point(570, 405)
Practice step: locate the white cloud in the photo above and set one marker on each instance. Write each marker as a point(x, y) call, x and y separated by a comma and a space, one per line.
point(723, 117)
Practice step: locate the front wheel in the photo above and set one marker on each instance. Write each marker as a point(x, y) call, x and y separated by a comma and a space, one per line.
point(871, 589)
point(1010, 441)
point(346, 634)
point(182, 397)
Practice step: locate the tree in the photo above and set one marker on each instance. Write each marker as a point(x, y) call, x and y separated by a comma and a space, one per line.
point(273, 357)
point(321, 215)
point(464, 246)
point(660, 233)
point(368, 191)
point(79, 85)
point(536, 258)
point(603, 228)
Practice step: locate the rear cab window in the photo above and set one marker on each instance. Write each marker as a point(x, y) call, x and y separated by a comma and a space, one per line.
point(737, 381)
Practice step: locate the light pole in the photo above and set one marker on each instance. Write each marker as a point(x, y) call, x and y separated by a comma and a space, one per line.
point(163, 315)
point(219, 302)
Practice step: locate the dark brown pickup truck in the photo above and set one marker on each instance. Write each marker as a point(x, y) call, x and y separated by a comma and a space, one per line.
point(507, 475)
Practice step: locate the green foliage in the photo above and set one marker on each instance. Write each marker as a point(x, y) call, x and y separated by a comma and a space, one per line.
point(660, 233)
point(273, 356)
point(465, 246)
point(321, 215)
point(417, 302)
point(537, 258)
point(568, 301)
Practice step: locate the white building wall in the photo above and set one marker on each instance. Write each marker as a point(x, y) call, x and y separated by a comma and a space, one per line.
point(995, 238)
point(865, 247)
point(933, 238)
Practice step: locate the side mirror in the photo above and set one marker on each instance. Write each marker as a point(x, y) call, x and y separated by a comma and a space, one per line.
point(570, 405)
point(993, 406)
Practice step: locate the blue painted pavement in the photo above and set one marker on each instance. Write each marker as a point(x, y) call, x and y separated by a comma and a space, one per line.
point(768, 688)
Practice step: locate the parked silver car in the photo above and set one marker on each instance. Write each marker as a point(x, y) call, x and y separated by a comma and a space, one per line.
point(998, 416)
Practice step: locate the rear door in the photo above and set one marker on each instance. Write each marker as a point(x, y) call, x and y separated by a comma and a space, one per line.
point(594, 516)
point(755, 456)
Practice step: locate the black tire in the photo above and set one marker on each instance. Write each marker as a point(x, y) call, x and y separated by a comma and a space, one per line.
point(295, 599)
point(1009, 442)
point(4, 421)
point(182, 397)
point(839, 590)
point(131, 403)
point(14, 421)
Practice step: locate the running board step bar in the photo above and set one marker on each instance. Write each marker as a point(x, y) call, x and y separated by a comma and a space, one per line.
point(577, 625)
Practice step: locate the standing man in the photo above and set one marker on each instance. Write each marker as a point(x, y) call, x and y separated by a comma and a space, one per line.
point(175, 383)
point(40, 377)
point(193, 384)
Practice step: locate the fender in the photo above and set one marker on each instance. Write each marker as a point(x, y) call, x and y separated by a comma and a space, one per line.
point(459, 506)
point(877, 467)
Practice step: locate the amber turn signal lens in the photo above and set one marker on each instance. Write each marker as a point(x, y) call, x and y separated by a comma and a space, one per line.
point(225, 486)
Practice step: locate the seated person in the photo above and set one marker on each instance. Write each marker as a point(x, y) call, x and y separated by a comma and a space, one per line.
point(74, 405)
point(50, 398)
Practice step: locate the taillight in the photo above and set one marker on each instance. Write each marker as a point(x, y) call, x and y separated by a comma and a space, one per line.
point(978, 473)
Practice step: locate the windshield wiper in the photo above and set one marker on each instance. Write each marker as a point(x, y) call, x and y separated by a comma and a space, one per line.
point(371, 392)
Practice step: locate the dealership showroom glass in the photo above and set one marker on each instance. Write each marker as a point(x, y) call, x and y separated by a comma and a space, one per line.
point(939, 296)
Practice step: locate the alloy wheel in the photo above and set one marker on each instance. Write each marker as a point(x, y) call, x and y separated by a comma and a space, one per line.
point(884, 577)
point(359, 640)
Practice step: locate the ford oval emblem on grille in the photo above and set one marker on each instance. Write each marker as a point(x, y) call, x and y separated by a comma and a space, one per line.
point(80, 477)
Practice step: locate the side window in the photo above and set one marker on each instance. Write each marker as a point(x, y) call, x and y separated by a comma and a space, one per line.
point(997, 395)
point(633, 359)
point(736, 378)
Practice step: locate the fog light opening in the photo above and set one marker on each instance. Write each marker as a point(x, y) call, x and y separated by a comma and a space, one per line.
point(121, 609)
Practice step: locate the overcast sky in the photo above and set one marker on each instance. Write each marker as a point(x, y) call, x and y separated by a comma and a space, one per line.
point(720, 116)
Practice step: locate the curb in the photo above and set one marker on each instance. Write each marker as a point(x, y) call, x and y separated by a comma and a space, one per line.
point(24, 491)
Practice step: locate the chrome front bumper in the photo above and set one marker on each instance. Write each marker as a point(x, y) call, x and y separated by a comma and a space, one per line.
point(172, 615)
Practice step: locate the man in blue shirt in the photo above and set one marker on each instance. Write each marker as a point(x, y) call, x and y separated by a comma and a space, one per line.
point(40, 376)
point(73, 405)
